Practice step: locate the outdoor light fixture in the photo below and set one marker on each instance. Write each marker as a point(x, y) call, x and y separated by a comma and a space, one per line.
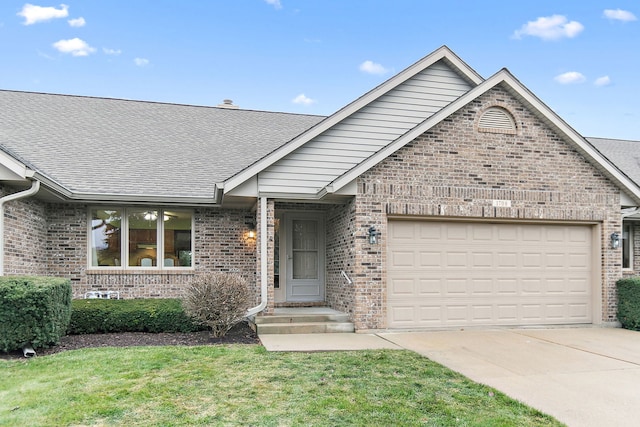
point(252, 231)
point(373, 235)
point(615, 240)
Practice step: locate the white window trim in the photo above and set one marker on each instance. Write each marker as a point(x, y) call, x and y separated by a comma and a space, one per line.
point(631, 266)
point(124, 240)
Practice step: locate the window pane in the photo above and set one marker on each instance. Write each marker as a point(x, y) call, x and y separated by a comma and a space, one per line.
point(626, 246)
point(105, 237)
point(143, 237)
point(177, 238)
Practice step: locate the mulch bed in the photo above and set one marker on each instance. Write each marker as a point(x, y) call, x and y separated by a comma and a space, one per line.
point(239, 334)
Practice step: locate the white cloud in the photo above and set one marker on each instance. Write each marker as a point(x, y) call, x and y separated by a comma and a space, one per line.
point(620, 15)
point(302, 99)
point(141, 62)
point(78, 22)
point(570, 77)
point(372, 68)
point(274, 3)
point(108, 51)
point(602, 81)
point(550, 28)
point(33, 14)
point(75, 47)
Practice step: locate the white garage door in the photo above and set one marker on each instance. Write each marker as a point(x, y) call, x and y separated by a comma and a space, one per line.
point(446, 274)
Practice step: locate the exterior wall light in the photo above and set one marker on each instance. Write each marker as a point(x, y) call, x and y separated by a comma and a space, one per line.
point(251, 234)
point(615, 240)
point(374, 236)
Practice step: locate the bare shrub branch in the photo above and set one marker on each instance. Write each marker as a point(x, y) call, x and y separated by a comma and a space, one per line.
point(218, 300)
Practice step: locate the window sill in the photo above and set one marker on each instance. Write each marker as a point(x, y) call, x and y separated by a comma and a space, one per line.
point(132, 271)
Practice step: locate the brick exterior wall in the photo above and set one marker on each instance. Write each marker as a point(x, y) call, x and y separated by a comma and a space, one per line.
point(25, 234)
point(455, 171)
point(341, 257)
point(220, 241)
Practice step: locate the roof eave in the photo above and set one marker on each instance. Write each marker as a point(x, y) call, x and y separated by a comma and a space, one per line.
point(66, 194)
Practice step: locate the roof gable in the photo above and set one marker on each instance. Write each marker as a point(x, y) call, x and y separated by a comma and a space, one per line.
point(364, 108)
point(319, 161)
point(512, 85)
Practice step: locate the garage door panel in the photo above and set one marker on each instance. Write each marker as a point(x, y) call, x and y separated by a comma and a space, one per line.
point(488, 274)
point(482, 259)
point(579, 260)
point(430, 259)
point(506, 260)
point(481, 286)
point(403, 258)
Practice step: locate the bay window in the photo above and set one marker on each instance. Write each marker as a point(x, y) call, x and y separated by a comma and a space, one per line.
point(141, 237)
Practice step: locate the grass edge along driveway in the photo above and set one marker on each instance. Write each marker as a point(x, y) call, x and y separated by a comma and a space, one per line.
point(246, 385)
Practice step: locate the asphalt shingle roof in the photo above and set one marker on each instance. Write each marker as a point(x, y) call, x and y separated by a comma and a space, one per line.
point(622, 153)
point(111, 146)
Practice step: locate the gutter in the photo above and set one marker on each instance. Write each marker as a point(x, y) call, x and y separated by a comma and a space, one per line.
point(35, 186)
point(263, 260)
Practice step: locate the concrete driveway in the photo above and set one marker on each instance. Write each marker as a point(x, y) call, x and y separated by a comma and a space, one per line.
point(581, 376)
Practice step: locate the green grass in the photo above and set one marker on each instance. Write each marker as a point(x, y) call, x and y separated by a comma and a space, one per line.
point(245, 385)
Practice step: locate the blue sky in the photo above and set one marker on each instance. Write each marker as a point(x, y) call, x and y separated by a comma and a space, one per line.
point(311, 56)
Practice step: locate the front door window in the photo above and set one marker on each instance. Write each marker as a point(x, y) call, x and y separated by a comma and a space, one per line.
point(305, 249)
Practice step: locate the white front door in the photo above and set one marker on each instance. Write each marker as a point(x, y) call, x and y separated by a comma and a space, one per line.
point(304, 257)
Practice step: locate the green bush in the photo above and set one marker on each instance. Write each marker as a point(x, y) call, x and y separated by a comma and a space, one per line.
point(629, 303)
point(33, 311)
point(91, 316)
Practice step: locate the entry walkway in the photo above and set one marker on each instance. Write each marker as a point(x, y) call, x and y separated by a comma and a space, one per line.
point(582, 376)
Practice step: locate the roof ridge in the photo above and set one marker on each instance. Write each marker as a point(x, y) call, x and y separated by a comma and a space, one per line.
point(175, 104)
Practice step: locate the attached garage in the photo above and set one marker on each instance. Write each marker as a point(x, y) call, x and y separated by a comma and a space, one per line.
point(458, 274)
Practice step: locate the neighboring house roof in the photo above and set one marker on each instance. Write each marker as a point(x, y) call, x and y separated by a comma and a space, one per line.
point(624, 154)
point(97, 148)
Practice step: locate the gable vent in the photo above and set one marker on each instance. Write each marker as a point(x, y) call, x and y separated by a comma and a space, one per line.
point(497, 120)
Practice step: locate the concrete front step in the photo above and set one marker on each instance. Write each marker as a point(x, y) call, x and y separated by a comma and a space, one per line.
point(303, 320)
point(305, 328)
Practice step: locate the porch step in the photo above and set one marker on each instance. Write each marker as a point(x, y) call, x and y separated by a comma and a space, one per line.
point(303, 320)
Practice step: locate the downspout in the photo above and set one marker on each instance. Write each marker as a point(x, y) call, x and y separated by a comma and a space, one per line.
point(264, 266)
point(35, 186)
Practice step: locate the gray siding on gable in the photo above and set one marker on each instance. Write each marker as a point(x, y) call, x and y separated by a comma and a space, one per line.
point(332, 153)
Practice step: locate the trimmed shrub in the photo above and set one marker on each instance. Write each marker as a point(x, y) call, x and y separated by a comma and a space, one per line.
point(629, 303)
point(33, 311)
point(218, 300)
point(92, 316)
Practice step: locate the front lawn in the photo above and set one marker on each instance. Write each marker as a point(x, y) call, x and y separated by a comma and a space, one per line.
point(245, 385)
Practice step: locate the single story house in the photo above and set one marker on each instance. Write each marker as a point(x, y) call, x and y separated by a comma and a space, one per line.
point(438, 199)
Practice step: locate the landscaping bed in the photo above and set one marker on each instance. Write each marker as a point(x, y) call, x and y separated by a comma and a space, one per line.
point(239, 334)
